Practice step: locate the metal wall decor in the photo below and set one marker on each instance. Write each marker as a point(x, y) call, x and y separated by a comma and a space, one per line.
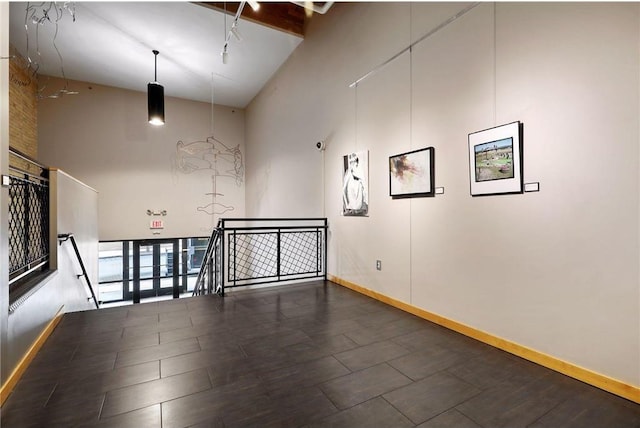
point(213, 157)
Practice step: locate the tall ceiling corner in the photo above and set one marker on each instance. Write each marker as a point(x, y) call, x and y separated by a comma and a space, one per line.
point(284, 16)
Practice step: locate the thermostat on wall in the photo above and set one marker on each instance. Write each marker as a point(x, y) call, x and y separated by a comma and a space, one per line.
point(6, 181)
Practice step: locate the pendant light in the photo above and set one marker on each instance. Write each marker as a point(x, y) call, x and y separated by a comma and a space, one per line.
point(155, 97)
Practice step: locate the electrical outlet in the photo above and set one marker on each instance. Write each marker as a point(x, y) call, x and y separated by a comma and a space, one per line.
point(378, 265)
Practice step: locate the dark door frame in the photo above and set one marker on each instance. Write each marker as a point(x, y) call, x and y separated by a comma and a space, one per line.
point(137, 294)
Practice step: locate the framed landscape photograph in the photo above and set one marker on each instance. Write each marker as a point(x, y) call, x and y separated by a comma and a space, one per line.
point(495, 160)
point(411, 174)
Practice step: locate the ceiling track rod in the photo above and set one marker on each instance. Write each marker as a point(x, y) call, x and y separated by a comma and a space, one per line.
point(235, 20)
point(408, 48)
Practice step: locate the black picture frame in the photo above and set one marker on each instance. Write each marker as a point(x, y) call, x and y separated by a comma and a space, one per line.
point(412, 174)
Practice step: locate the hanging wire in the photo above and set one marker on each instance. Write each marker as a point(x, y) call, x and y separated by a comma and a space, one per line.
point(212, 127)
point(410, 80)
point(410, 140)
point(214, 178)
point(495, 69)
point(356, 111)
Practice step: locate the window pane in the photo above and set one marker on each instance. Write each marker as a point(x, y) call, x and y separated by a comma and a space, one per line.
point(196, 248)
point(110, 261)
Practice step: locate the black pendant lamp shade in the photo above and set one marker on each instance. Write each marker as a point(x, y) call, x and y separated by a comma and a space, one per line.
point(155, 97)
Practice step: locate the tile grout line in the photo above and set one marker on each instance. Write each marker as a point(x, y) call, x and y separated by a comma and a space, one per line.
point(558, 404)
point(465, 415)
point(104, 399)
point(396, 409)
point(51, 394)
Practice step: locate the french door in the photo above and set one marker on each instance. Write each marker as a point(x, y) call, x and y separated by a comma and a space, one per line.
point(152, 269)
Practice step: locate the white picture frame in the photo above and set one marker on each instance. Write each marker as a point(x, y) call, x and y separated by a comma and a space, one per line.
point(495, 160)
point(355, 184)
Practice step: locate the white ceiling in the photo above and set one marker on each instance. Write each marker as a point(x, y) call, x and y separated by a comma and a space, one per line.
point(110, 44)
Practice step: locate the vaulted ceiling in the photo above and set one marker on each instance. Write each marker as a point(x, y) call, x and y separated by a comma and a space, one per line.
point(111, 43)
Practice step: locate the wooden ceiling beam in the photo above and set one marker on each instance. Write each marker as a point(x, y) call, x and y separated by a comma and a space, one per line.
point(285, 17)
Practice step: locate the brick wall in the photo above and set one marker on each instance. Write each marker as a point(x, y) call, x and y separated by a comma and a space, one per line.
point(23, 107)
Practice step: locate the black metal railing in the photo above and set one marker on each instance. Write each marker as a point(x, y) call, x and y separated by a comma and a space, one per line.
point(208, 278)
point(28, 216)
point(63, 237)
point(260, 251)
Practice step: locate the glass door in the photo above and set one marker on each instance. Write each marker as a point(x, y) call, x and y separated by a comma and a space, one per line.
point(152, 270)
point(155, 266)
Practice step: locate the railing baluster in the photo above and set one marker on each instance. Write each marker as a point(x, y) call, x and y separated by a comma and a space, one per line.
point(318, 251)
point(265, 254)
point(235, 258)
point(278, 253)
point(209, 276)
point(27, 224)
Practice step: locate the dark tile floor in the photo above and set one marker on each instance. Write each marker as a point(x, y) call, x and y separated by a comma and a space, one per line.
point(310, 355)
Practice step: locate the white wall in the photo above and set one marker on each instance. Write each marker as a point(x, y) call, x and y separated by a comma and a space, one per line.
point(102, 137)
point(556, 271)
point(77, 213)
point(4, 193)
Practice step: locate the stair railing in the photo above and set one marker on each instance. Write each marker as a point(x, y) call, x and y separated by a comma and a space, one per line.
point(63, 237)
point(258, 251)
point(209, 268)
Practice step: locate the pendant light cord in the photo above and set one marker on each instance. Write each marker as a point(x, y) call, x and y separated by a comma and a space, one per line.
point(155, 70)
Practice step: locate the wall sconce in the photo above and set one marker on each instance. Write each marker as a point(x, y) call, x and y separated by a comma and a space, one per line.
point(155, 97)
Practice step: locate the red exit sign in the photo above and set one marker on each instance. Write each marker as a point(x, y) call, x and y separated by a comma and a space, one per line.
point(156, 224)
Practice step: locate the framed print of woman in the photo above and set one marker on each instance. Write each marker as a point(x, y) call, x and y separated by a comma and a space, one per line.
point(355, 184)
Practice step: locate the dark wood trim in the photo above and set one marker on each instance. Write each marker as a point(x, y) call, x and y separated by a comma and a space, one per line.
point(286, 17)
